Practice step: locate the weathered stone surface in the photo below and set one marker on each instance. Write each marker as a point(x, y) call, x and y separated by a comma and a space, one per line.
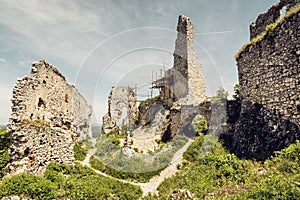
point(183, 85)
point(184, 82)
point(181, 195)
point(122, 108)
point(48, 117)
point(270, 17)
point(269, 73)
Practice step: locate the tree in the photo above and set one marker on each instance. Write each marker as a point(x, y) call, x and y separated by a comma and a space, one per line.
point(221, 94)
point(236, 91)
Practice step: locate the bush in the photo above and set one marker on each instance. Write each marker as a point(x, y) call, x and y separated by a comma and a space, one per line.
point(61, 182)
point(222, 175)
point(79, 151)
point(28, 185)
point(138, 168)
point(200, 125)
point(4, 156)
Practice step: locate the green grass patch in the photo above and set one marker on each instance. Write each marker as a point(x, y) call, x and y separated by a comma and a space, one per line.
point(74, 182)
point(110, 159)
point(79, 151)
point(217, 174)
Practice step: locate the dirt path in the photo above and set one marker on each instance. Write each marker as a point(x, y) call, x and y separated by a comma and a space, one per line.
point(153, 183)
point(87, 163)
point(151, 186)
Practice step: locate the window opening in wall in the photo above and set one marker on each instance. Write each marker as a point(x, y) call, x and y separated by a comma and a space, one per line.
point(26, 151)
point(282, 11)
point(41, 103)
point(66, 98)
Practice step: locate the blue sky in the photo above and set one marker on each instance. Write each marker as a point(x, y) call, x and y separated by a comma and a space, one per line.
point(98, 44)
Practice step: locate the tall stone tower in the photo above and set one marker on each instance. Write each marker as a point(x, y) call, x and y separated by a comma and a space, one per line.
point(189, 82)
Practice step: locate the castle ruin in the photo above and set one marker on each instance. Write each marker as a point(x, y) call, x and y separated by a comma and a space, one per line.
point(48, 117)
point(184, 82)
point(121, 109)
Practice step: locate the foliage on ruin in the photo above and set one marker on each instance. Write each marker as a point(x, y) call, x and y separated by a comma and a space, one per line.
point(146, 104)
point(269, 29)
point(236, 92)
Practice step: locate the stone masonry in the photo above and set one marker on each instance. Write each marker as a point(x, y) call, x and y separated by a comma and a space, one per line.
point(184, 82)
point(269, 78)
point(122, 108)
point(48, 117)
point(270, 16)
point(187, 63)
point(183, 85)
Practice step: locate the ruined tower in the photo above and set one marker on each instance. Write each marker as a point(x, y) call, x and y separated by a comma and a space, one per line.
point(184, 82)
point(48, 117)
point(190, 83)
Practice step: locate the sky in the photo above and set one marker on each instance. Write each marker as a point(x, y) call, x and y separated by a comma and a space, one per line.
point(97, 44)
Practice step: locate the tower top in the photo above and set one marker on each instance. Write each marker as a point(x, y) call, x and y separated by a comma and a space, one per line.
point(185, 27)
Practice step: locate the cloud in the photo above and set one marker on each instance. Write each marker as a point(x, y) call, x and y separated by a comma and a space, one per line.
point(66, 32)
point(2, 60)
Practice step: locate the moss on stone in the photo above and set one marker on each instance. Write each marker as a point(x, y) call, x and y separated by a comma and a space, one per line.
point(270, 28)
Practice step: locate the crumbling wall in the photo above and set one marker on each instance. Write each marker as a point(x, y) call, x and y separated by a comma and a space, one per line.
point(274, 13)
point(184, 82)
point(121, 108)
point(187, 64)
point(269, 74)
point(48, 117)
point(183, 85)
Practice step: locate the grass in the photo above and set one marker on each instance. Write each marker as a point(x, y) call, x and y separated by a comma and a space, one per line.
point(79, 151)
point(214, 173)
point(73, 182)
point(110, 159)
point(269, 30)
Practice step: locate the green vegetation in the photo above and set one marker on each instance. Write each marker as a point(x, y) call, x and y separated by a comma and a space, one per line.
point(199, 125)
point(145, 105)
point(87, 143)
point(269, 29)
point(140, 167)
point(79, 151)
point(74, 182)
point(131, 176)
point(236, 92)
point(220, 94)
point(211, 172)
point(114, 136)
point(4, 145)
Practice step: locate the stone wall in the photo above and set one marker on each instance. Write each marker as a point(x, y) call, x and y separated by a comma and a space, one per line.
point(185, 81)
point(187, 64)
point(48, 117)
point(122, 108)
point(182, 86)
point(270, 16)
point(269, 74)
